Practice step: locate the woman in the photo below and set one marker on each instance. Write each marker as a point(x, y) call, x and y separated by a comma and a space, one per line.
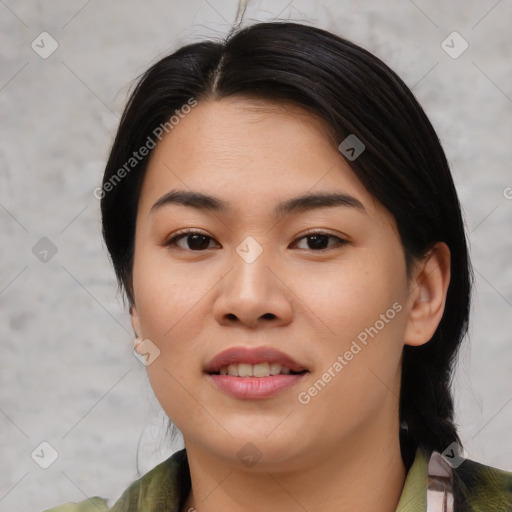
point(282, 218)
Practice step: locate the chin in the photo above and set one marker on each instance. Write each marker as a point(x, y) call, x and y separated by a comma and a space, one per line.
point(255, 448)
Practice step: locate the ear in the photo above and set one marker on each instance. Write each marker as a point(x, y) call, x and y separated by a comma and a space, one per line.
point(427, 294)
point(134, 317)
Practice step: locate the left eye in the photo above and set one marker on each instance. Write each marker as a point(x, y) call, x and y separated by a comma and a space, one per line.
point(198, 241)
point(317, 240)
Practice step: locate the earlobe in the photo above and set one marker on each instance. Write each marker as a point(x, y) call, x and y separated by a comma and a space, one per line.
point(427, 295)
point(134, 317)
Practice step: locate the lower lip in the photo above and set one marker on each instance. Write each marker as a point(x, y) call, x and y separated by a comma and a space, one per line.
point(254, 387)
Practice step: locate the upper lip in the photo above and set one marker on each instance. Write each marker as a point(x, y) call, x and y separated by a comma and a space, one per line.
point(252, 355)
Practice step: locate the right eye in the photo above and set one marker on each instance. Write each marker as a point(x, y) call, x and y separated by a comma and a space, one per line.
point(195, 240)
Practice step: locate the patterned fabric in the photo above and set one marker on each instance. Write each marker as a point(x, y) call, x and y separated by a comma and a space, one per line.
point(432, 485)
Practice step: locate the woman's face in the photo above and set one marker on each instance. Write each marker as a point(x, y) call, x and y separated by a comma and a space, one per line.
point(337, 304)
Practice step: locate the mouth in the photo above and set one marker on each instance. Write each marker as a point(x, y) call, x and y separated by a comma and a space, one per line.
point(254, 373)
point(260, 370)
point(254, 362)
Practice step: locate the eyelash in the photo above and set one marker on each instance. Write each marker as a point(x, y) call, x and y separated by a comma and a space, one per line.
point(186, 232)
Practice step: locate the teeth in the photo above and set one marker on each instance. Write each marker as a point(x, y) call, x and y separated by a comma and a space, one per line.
point(254, 370)
point(275, 369)
point(245, 370)
point(260, 370)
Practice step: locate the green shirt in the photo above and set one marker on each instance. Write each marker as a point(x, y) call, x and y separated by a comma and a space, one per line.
point(431, 485)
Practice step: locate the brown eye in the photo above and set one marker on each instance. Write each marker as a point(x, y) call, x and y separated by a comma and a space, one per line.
point(197, 241)
point(194, 241)
point(319, 241)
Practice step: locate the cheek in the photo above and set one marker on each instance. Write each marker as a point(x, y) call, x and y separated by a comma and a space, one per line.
point(168, 300)
point(352, 296)
point(165, 293)
point(362, 305)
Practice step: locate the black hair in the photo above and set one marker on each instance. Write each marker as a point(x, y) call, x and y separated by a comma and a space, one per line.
point(403, 166)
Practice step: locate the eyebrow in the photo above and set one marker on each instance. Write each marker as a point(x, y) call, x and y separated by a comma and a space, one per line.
point(303, 203)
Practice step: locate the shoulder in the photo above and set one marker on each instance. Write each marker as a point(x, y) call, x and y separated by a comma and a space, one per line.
point(167, 483)
point(95, 504)
point(483, 487)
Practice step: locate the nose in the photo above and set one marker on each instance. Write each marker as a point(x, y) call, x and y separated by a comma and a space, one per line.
point(254, 293)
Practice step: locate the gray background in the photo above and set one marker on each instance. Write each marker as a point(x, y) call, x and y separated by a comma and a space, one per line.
point(68, 375)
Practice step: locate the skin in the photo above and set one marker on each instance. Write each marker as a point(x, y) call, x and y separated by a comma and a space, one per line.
point(341, 450)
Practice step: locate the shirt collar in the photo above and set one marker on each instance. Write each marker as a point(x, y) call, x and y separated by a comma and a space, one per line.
point(427, 487)
point(429, 484)
point(414, 493)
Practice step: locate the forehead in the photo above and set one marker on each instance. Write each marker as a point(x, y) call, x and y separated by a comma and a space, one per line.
point(240, 148)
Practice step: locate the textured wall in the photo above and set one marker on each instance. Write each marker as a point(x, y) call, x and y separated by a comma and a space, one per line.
point(68, 375)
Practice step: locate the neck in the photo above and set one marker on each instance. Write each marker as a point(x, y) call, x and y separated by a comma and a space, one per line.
point(364, 474)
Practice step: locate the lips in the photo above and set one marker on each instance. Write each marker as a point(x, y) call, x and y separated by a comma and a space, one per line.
point(256, 355)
